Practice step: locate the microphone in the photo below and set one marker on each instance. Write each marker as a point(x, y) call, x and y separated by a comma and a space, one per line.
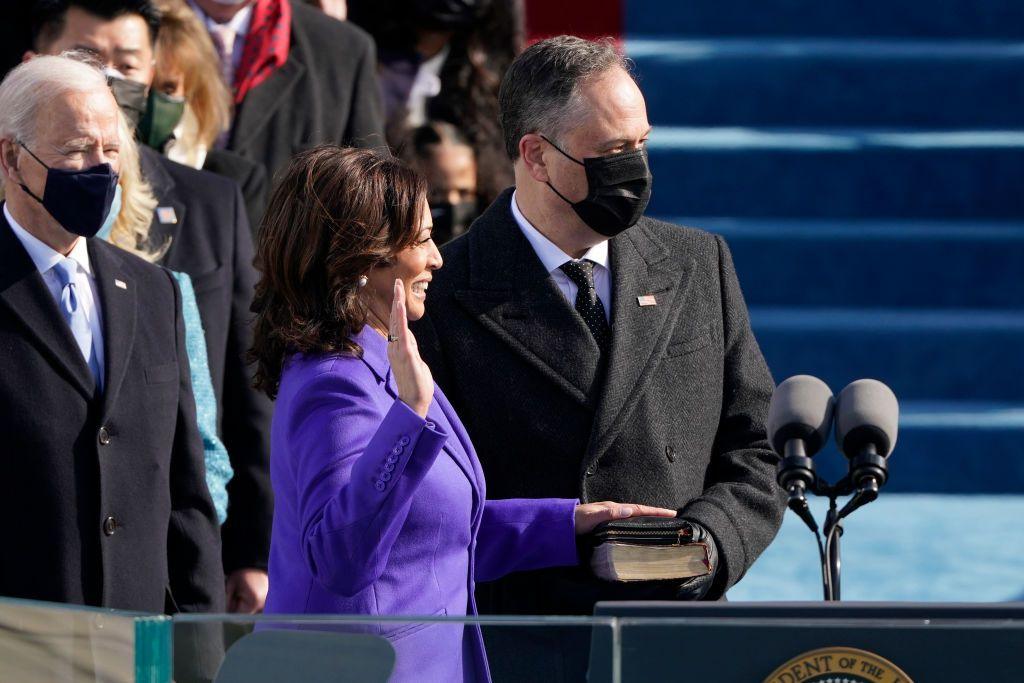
point(867, 419)
point(799, 422)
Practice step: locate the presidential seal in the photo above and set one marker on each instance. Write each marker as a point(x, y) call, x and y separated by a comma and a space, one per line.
point(838, 665)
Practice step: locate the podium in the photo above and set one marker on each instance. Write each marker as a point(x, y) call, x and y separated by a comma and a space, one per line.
point(871, 642)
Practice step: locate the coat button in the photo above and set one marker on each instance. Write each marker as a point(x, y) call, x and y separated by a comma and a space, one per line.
point(670, 453)
point(385, 476)
point(390, 460)
point(109, 526)
point(389, 467)
point(380, 486)
point(404, 441)
point(104, 436)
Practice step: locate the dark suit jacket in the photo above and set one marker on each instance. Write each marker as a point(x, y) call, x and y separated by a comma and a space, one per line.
point(325, 93)
point(676, 420)
point(674, 417)
point(106, 492)
point(211, 242)
point(250, 176)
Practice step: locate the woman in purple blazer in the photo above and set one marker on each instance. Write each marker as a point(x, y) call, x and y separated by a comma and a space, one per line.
point(380, 505)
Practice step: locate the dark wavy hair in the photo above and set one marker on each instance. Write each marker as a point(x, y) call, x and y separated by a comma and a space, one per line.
point(335, 213)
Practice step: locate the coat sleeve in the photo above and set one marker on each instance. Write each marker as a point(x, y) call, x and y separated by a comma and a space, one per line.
point(193, 540)
point(520, 534)
point(246, 421)
point(741, 505)
point(356, 472)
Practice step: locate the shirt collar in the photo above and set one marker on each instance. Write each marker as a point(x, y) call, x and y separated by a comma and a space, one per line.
point(549, 253)
point(238, 23)
point(43, 255)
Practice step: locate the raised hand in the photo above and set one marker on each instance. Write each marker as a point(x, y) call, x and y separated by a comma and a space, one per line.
point(415, 383)
point(589, 515)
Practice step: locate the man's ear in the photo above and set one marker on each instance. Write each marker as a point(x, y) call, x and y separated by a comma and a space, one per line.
point(531, 151)
point(29, 54)
point(9, 160)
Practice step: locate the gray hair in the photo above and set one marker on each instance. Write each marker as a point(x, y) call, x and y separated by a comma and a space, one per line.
point(540, 90)
point(30, 86)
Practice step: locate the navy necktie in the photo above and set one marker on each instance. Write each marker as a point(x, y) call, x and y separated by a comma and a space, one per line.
point(588, 303)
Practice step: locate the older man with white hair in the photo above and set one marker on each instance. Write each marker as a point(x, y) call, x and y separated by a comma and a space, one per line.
point(101, 463)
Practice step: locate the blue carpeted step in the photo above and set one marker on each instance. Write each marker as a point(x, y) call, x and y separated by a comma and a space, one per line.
point(831, 83)
point(903, 547)
point(875, 264)
point(1002, 19)
point(930, 355)
point(837, 173)
point(958, 447)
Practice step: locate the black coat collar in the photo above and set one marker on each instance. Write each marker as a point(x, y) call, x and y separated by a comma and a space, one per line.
point(25, 294)
point(512, 294)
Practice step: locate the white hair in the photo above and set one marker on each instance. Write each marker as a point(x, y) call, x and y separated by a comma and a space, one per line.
point(30, 86)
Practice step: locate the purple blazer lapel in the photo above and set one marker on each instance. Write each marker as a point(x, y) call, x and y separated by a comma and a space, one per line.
point(375, 355)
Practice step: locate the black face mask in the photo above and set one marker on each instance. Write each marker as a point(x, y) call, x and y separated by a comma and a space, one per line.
point(130, 96)
point(618, 189)
point(78, 200)
point(452, 220)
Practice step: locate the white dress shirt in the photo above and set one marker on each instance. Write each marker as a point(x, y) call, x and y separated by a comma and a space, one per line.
point(427, 84)
point(45, 258)
point(552, 257)
point(239, 24)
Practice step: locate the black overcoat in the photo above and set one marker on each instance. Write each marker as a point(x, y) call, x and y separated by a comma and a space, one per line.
point(106, 491)
point(674, 416)
point(203, 217)
point(326, 92)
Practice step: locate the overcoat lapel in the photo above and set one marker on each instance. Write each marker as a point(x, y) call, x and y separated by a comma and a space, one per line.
point(640, 268)
point(262, 101)
point(514, 298)
point(165, 225)
point(117, 294)
point(24, 293)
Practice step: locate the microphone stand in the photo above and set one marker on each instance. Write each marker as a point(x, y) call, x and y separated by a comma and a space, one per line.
point(830, 555)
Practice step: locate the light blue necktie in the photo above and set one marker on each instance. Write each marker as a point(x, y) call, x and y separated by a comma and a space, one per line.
point(74, 313)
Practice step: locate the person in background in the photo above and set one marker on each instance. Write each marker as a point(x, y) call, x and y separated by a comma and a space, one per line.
point(443, 60)
point(623, 342)
point(201, 219)
point(189, 106)
point(443, 155)
point(127, 226)
point(298, 78)
point(332, 8)
point(381, 503)
point(15, 35)
point(101, 462)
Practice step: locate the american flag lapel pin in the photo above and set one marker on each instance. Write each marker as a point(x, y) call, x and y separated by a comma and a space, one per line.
point(120, 284)
point(647, 300)
point(166, 215)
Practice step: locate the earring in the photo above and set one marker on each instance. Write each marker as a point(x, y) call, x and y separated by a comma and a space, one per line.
point(361, 282)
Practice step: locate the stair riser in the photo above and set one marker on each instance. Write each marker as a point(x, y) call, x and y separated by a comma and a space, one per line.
point(842, 91)
point(1000, 19)
point(862, 183)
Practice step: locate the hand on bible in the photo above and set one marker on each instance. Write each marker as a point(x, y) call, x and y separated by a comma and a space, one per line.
point(589, 515)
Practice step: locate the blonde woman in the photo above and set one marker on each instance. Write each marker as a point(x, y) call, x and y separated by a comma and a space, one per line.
point(189, 109)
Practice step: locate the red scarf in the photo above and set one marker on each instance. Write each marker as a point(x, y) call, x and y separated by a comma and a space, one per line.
point(266, 45)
